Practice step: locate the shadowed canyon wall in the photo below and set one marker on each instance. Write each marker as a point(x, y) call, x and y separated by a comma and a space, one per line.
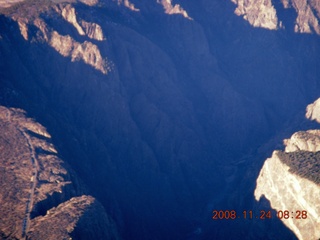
point(160, 108)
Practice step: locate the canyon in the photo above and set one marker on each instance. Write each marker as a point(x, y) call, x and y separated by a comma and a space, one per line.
point(165, 110)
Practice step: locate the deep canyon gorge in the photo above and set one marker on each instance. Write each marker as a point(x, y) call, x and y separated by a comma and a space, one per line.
point(137, 119)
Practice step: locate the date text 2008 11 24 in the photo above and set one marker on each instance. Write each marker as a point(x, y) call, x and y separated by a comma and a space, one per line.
point(263, 214)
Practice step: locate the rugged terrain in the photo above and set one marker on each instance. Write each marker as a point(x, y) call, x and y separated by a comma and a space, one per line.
point(40, 198)
point(162, 107)
point(290, 180)
point(303, 15)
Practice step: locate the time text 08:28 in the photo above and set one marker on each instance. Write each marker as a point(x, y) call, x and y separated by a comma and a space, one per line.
point(263, 214)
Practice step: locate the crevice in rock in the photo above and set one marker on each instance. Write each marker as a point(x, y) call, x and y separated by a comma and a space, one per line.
point(52, 201)
point(287, 16)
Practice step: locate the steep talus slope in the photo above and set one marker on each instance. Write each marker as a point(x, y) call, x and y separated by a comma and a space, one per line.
point(156, 98)
point(34, 182)
point(290, 180)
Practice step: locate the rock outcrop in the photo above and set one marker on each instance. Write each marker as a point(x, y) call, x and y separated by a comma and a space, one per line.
point(173, 9)
point(308, 13)
point(303, 141)
point(28, 16)
point(290, 180)
point(258, 13)
point(92, 30)
point(264, 14)
point(38, 192)
point(79, 218)
point(313, 111)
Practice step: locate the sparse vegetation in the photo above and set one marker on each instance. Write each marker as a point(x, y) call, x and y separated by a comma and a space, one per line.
point(24, 160)
point(303, 163)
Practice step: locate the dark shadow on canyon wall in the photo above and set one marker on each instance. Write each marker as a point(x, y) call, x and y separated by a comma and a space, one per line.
point(161, 140)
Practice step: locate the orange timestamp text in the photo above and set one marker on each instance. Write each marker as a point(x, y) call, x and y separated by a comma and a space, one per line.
point(263, 214)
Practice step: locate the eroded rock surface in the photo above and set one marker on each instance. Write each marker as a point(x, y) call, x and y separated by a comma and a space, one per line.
point(173, 9)
point(308, 17)
point(304, 141)
point(28, 16)
point(288, 191)
point(313, 111)
point(290, 180)
point(81, 218)
point(37, 189)
point(261, 13)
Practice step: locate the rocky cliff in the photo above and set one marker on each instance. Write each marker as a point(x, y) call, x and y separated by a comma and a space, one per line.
point(37, 190)
point(302, 14)
point(290, 180)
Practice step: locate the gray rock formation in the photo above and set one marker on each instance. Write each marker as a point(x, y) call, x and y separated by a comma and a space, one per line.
point(290, 180)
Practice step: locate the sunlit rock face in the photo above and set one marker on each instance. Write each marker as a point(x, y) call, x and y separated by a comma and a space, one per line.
point(304, 141)
point(258, 13)
point(290, 180)
point(7, 4)
point(288, 191)
point(92, 30)
point(173, 9)
point(78, 218)
point(28, 16)
point(313, 111)
point(86, 51)
point(40, 197)
point(308, 15)
point(265, 14)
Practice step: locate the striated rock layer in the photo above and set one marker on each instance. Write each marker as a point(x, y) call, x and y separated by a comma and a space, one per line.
point(290, 180)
